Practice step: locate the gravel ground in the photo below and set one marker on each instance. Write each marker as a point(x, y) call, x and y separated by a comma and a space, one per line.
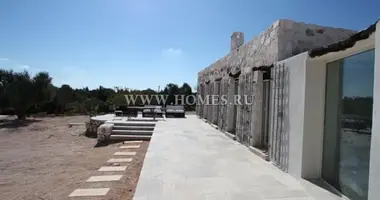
point(45, 159)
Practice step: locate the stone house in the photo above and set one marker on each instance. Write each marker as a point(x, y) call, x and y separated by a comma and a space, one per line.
point(310, 86)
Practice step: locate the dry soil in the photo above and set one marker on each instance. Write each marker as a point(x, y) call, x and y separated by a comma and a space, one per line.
point(44, 158)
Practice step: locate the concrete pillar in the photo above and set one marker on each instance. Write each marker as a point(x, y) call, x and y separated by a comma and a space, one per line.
point(314, 115)
point(199, 96)
point(210, 106)
point(230, 106)
point(297, 79)
point(257, 110)
point(198, 106)
point(215, 108)
point(239, 132)
point(222, 124)
point(374, 167)
point(205, 105)
point(304, 120)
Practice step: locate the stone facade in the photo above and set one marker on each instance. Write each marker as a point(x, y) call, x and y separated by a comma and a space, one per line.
point(281, 40)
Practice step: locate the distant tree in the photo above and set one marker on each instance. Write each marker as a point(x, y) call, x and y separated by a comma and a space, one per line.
point(64, 96)
point(23, 91)
point(81, 95)
point(117, 100)
point(185, 89)
point(92, 106)
point(22, 94)
point(103, 93)
point(171, 90)
point(6, 77)
point(45, 91)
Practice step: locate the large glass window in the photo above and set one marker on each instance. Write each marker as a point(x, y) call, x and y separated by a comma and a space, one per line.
point(348, 122)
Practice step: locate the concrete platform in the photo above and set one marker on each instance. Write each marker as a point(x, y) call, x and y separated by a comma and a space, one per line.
point(187, 159)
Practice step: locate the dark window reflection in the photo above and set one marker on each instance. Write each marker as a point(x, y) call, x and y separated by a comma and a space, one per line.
point(348, 122)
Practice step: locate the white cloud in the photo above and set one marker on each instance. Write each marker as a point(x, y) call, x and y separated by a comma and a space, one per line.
point(24, 67)
point(4, 59)
point(74, 76)
point(171, 52)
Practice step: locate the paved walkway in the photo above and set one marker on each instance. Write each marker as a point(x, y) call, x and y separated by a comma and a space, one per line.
point(188, 159)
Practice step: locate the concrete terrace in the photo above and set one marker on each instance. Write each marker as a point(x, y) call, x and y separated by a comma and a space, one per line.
point(189, 159)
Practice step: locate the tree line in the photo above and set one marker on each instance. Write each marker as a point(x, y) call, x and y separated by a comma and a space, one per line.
point(22, 94)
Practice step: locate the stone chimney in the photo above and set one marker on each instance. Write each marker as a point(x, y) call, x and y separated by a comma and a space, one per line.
point(237, 39)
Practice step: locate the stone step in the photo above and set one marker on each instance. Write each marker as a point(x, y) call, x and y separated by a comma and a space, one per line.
point(131, 132)
point(132, 123)
point(141, 128)
point(129, 137)
point(142, 120)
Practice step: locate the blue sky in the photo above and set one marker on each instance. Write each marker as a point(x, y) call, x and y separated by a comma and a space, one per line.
point(147, 43)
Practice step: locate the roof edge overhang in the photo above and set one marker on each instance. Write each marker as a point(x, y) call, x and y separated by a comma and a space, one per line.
point(344, 44)
point(358, 47)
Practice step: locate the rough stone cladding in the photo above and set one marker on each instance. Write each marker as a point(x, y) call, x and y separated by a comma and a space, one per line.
point(283, 39)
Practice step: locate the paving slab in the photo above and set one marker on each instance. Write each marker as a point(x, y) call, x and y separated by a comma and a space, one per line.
point(188, 159)
point(104, 178)
point(132, 142)
point(112, 169)
point(124, 153)
point(89, 192)
point(130, 147)
point(118, 160)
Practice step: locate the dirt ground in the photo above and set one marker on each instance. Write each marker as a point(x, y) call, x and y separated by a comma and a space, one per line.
point(45, 159)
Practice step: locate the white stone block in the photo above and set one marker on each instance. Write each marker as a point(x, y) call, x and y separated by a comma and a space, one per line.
point(112, 169)
point(89, 192)
point(133, 141)
point(117, 160)
point(104, 178)
point(130, 147)
point(124, 153)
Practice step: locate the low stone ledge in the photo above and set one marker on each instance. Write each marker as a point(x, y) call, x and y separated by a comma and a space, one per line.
point(92, 127)
point(214, 126)
point(259, 153)
point(230, 135)
point(104, 131)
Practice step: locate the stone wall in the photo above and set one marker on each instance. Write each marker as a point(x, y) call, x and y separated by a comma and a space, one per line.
point(281, 40)
point(297, 37)
point(92, 127)
point(261, 50)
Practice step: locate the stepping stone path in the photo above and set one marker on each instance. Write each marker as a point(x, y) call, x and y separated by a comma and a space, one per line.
point(132, 142)
point(112, 169)
point(124, 153)
point(104, 178)
point(89, 192)
point(130, 147)
point(118, 160)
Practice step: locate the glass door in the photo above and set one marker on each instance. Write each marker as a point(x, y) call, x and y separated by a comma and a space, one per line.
point(348, 122)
